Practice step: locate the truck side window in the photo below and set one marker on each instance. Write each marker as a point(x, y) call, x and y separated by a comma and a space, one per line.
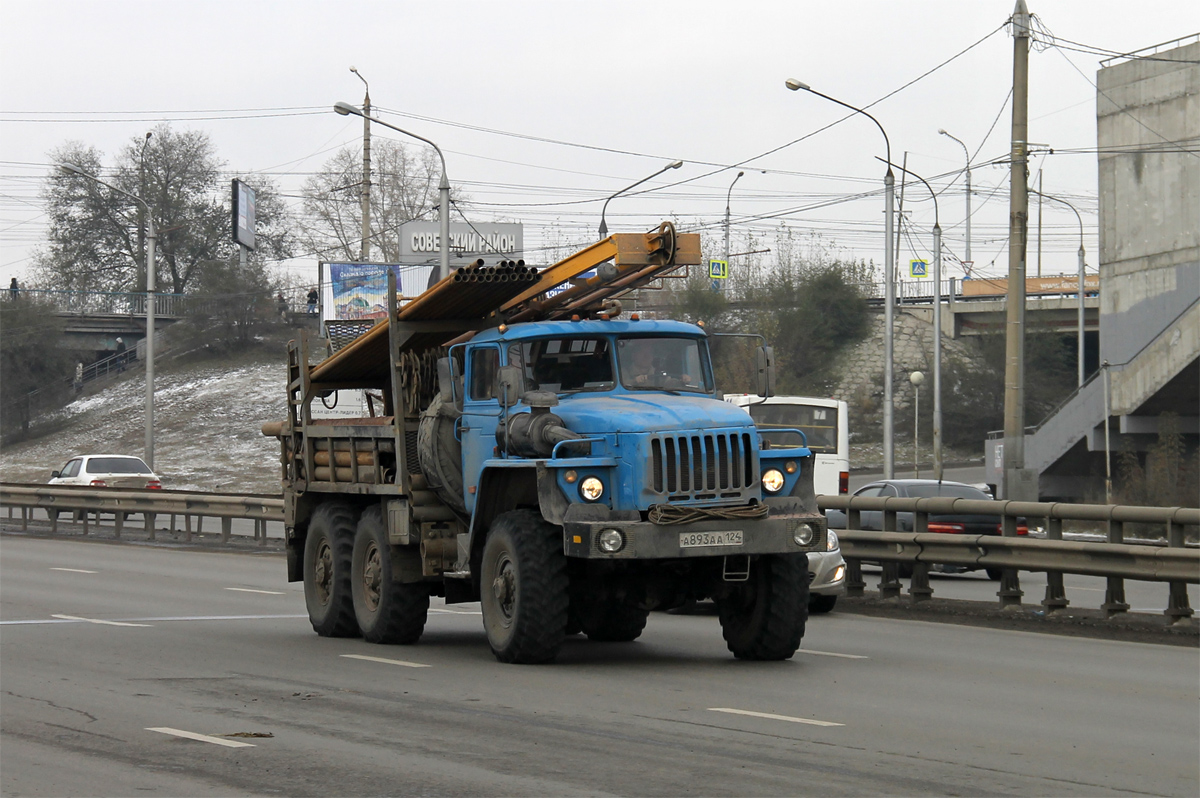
point(485, 370)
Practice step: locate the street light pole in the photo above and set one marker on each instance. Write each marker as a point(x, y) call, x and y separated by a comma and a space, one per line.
point(365, 255)
point(603, 224)
point(728, 196)
point(967, 258)
point(345, 109)
point(937, 328)
point(889, 185)
point(1081, 266)
point(151, 238)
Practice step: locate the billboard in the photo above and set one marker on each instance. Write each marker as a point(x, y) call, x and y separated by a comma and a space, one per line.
point(420, 242)
point(359, 290)
point(243, 214)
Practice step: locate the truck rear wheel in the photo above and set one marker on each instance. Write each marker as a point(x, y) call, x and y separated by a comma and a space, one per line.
point(764, 618)
point(327, 554)
point(523, 588)
point(387, 611)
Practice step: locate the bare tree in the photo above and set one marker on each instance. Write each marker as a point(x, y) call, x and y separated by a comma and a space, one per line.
point(404, 187)
point(96, 234)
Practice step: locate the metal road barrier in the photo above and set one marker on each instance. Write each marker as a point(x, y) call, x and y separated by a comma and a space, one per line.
point(1115, 558)
point(58, 499)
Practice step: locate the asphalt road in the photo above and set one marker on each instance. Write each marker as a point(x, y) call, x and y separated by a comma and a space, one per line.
point(127, 670)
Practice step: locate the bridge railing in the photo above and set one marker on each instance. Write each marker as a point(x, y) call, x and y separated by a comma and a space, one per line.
point(115, 303)
point(906, 542)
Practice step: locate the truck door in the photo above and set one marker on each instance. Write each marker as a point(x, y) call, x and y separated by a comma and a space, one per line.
point(481, 412)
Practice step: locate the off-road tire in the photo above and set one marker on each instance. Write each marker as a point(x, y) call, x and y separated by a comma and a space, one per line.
point(328, 550)
point(764, 619)
point(819, 605)
point(386, 611)
point(523, 588)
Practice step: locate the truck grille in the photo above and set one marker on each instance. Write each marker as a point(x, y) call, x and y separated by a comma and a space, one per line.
point(706, 466)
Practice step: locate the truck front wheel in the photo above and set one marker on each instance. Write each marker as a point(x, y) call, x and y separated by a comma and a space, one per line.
point(523, 588)
point(387, 611)
point(327, 553)
point(764, 617)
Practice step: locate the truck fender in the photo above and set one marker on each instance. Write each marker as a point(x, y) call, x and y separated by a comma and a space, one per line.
point(500, 490)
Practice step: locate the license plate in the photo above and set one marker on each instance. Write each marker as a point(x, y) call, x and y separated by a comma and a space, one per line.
point(691, 540)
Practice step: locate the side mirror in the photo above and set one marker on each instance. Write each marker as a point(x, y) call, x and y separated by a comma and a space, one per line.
point(766, 371)
point(512, 385)
point(55, 474)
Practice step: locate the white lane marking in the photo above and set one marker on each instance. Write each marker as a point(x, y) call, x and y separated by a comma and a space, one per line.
point(75, 570)
point(454, 612)
point(248, 590)
point(831, 654)
point(97, 620)
point(204, 738)
point(769, 716)
point(386, 661)
point(130, 622)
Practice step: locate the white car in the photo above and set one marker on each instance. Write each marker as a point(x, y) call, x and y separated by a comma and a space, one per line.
point(106, 471)
point(827, 576)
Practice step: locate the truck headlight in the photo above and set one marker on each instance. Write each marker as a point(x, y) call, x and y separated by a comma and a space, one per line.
point(772, 480)
point(805, 534)
point(832, 543)
point(610, 541)
point(591, 488)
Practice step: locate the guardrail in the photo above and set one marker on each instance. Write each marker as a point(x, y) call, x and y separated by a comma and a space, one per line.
point(1115, 559)
point(58, 499)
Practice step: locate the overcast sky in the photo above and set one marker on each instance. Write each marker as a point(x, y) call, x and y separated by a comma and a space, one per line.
point(543, 109)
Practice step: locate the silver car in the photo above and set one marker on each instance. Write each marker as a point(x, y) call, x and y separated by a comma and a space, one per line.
point(827, 573)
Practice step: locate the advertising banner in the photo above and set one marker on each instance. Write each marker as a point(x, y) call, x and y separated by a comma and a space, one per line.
point(359, 290)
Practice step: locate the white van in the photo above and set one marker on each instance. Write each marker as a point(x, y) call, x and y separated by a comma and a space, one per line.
point(825, 427)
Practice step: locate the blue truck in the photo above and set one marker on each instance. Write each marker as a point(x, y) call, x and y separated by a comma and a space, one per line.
point(567, 466)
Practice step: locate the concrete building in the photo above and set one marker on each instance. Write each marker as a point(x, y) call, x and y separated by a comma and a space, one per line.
point(1148, 124)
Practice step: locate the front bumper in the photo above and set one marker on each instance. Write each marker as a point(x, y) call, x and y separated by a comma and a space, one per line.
point(774, 534)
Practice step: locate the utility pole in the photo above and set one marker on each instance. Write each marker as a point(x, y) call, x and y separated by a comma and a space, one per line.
point(1016, 481)
point(1040, 196)
point(365, 256)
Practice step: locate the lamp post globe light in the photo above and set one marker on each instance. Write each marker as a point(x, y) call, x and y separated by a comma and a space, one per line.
point(346, 109)
point(916, 378)
point(889, 185)
point(603, 224)
point(151, 237)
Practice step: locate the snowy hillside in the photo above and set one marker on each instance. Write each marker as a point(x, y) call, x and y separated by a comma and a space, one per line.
point(207, 427)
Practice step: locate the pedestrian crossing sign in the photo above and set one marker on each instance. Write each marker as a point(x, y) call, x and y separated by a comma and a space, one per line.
point(918, 268)
point(718, 269)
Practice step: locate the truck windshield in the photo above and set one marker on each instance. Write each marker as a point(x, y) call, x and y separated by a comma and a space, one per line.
point(564, 365)
point(656, 364)
point(819, 425)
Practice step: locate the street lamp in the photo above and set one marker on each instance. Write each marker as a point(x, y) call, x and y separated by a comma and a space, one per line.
point(1079, 323)
point(889, 185)
point(916, 378)
point(365, 254)
point(151, 236)
point(967, 259)
point(937, 329)
point(345, 109)
point(603, 224)
point(728, 195)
